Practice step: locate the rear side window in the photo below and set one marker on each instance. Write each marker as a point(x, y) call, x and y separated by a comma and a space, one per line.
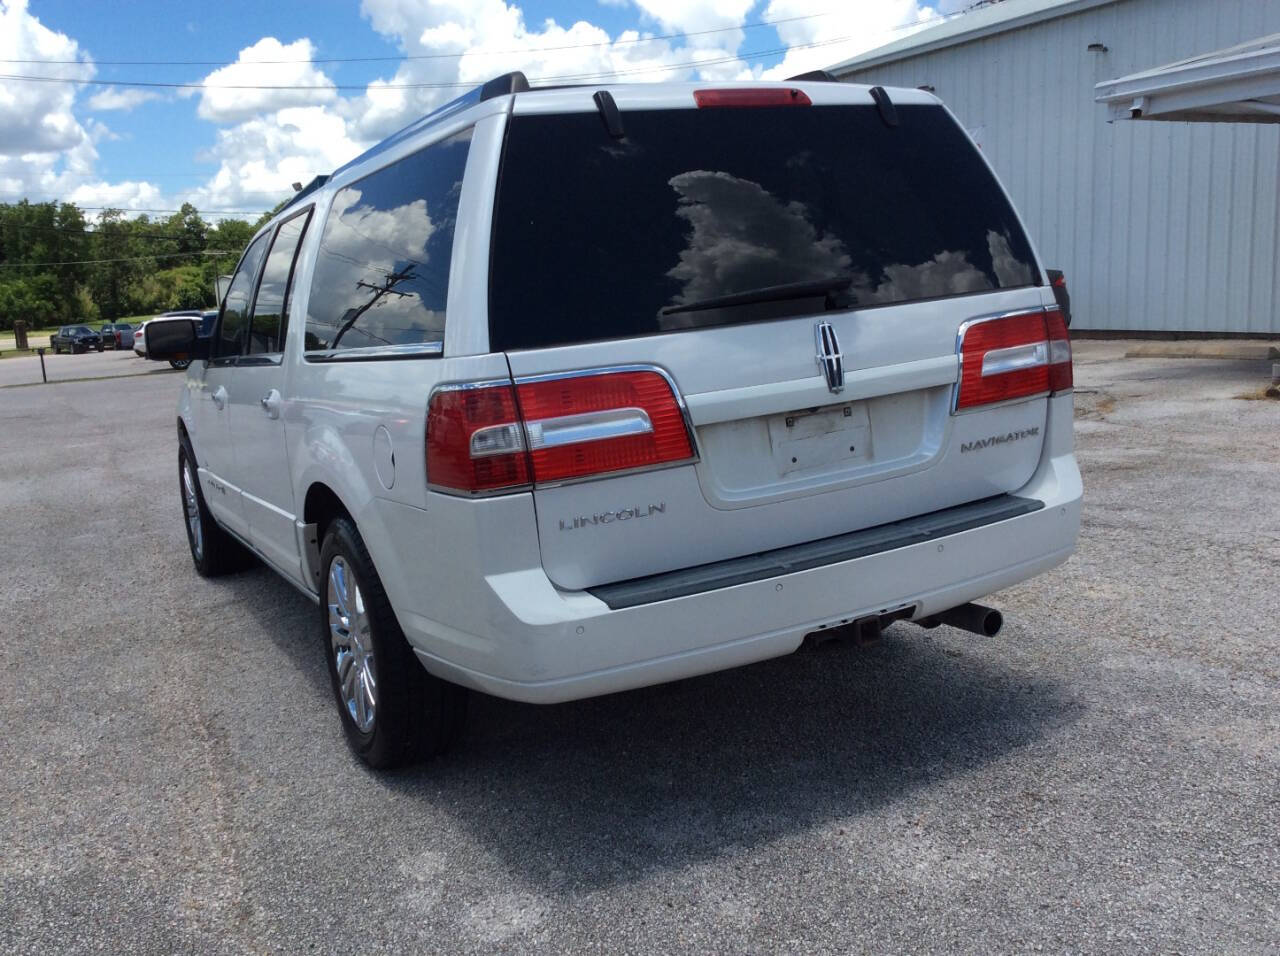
point(597, 238)
point(382, 268)
point(271, 307)
point(235, 308)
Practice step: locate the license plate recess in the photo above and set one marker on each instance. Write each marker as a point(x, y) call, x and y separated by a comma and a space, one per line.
point(814, 439)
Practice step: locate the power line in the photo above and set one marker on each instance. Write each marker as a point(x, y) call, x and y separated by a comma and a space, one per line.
point(436, 56)
point(94, 262)
point(584, 77)
point(84, 230)
point(356, 87)
point(206, 212)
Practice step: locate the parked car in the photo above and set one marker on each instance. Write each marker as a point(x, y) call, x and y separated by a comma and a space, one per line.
point(1058, 282)
point(75, 339)
point(770, 360)
point(116, 335)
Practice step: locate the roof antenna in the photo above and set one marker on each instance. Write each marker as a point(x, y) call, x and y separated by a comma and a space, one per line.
point(609, 113)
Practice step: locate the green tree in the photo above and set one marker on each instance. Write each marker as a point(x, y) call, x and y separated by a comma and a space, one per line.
point(119, 265)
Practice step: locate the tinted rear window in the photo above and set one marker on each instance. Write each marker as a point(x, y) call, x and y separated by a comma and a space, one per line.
point(594, 237)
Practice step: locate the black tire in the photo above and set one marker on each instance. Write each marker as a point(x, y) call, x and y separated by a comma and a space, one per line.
point(215, 553)
point(99, 346)
point(415, 714)
point(179, 364)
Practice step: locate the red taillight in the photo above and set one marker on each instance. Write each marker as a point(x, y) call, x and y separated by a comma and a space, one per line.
point(591, 424)
point(481, 439)
point(768, 96)
point(1013, 356)
point(1060, 374)
point(475, 442)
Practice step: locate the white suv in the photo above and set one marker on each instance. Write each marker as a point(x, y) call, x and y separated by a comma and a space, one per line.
point(561, 392)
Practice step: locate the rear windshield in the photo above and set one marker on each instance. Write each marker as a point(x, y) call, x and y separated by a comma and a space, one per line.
point(599, 238)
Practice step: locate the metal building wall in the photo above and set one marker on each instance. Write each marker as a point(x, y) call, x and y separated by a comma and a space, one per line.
point(1158, 226)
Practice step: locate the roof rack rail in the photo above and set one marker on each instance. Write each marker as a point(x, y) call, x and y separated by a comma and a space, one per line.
point(820, 76)
point(305, 191)
point(515, 82)
point(499, 86)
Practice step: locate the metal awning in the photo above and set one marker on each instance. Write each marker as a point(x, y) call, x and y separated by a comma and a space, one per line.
point(1238, 85)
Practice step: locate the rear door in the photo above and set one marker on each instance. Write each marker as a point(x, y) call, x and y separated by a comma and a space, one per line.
point(797, 269)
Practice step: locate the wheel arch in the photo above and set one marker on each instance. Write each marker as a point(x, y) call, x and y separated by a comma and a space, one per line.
point(321, 505)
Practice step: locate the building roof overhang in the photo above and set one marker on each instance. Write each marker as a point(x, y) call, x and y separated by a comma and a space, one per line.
point(1240, 84)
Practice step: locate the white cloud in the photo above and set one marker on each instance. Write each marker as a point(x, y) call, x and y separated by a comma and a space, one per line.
point(855, 27)
point(681, 16)
point(44, 149)
point(254, 68)
point(124, 195)
point(259, 158)
point(493, 37)
point(115, 98)
point(36, 118)
point(269, 138)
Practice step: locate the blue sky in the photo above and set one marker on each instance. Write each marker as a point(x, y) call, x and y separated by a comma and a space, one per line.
point(108, 143)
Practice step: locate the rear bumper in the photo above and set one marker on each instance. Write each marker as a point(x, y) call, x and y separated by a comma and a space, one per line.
point(525, 640)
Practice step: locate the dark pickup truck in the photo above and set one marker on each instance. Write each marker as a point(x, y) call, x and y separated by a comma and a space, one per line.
point(75, 339)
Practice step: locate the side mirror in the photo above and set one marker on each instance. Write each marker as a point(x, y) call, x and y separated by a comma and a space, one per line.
point(174, 340)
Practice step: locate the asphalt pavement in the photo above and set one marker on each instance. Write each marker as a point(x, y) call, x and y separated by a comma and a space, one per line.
point(25, 369)
point(1103, 776)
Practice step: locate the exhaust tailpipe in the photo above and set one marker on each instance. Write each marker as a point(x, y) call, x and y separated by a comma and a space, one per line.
point(974, 618)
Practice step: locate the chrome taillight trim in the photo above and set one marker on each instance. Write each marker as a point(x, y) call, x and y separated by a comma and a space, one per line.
point(587, 427)
point(554, 376)
point(1015, 358)
point(611, 369)
point(965, 326)
point(483, 493)
point(464, 386)
point(1005, 403)
point(461, 492)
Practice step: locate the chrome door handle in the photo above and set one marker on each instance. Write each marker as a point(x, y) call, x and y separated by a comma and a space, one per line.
point(219, 396)
point(271, 404)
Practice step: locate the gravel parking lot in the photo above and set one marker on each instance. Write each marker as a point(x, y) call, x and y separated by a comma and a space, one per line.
point(1104, 775)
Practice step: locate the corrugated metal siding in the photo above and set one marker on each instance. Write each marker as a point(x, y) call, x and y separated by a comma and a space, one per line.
point(1159, 226)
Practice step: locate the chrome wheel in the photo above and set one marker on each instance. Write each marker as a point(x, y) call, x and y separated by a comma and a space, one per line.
point(352, 644)
point(191, 504)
